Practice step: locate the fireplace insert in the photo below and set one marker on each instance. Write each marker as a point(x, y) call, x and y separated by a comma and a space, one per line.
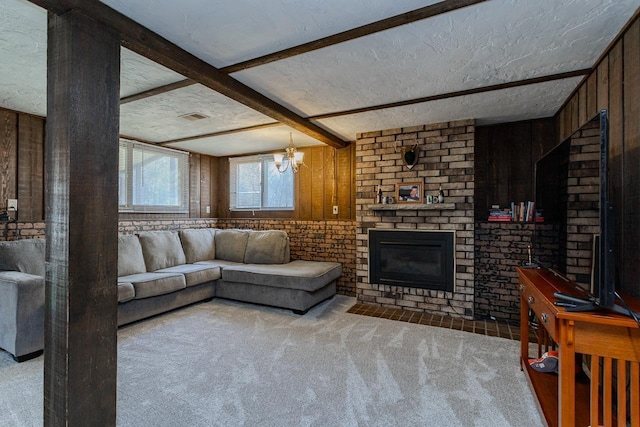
point(411, 258)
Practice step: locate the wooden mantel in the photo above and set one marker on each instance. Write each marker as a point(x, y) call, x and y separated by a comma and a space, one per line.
point(411, 206)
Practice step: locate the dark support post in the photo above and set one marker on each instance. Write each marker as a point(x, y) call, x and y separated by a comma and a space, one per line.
point(81, 176)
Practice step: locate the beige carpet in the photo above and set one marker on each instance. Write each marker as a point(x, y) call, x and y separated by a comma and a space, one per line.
point(223, 363)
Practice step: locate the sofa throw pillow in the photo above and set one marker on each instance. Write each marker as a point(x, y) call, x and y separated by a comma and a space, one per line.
point(198, 244)
point(130, 259)
point(161, 249)
point(231, 244)
point(26, 256)
point(267, 247)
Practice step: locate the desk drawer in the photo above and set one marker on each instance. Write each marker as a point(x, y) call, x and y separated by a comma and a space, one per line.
point(546, 313)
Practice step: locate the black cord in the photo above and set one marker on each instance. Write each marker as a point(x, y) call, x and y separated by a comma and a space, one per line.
point(626, 306)
point(454, 308)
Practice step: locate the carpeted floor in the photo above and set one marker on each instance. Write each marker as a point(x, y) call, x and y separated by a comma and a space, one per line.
point(223, 363)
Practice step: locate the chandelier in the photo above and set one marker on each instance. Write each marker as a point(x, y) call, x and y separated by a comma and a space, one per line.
point(293, 158)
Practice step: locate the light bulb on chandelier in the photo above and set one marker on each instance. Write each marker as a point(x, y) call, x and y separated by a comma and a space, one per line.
point(292, 157)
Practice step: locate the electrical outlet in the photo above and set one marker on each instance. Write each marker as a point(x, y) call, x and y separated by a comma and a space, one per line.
point(335, 210)
point(12, 204)
point(207, 209)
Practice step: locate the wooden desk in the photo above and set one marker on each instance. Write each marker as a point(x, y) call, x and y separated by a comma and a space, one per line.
point(609, 338)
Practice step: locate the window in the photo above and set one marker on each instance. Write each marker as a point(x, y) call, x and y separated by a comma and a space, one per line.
point(256, 184)
point(152, 179)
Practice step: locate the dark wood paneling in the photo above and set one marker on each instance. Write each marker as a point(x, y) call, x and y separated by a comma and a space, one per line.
point(304, 187)
point(631, 161)
point(575, 111)
point(82, 222)
point(344, 173)
point(505, 157)
point(8, 156)
point(330, 181)
point(592, 95)
point(30, 168)
point(543, 138)
point(205, 186)
point(214, 186)
point(317, 176)
point(521, 164)
point(582, 106)
point(603, 84)
point(194, 185)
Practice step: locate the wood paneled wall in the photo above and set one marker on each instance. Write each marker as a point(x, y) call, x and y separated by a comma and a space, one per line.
point(615, 85)
point(505, 157)
point(22, 163)
point(327, 181)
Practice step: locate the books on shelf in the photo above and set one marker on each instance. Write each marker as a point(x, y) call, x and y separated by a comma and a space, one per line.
point(496, 214)
point(523, 211)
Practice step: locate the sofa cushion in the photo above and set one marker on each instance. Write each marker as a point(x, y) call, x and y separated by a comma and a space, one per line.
point(21, 312)
point(231, 244)
point(26, 256)
point(194, 274)
point(218, 263)
point(151, 284)
point(161, 249)
point(126, 292)
point(267, 247)
point(130, 259)
point(305, 275)
point(198, 244)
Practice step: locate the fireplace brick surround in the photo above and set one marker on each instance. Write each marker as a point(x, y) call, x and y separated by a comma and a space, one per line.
point(446, 158)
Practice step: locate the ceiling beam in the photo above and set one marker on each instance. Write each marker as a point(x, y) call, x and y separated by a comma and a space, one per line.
point(149, 44)
point(157, 91)
point(222, 132)
point(364, 30)
point(509, 85)
point(491, 88)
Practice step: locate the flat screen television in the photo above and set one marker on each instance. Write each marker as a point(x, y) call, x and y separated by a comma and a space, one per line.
point(576, 239)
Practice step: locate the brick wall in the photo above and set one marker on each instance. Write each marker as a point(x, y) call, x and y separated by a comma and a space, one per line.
point(313, 240)
point(446, 158)
point(583, 192)
point(135, 226)
point(499, 248)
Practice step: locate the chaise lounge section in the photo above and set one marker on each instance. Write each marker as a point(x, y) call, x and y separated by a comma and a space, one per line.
point(159, 271)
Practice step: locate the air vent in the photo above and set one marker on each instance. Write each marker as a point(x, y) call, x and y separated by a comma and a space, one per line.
point(194, 116)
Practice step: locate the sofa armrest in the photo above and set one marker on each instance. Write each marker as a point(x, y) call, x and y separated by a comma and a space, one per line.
point(21, 312)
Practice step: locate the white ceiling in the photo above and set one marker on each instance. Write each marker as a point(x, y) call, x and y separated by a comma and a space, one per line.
point(494, 42)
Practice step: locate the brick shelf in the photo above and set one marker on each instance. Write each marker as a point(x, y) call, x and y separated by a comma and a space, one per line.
point(412, 207)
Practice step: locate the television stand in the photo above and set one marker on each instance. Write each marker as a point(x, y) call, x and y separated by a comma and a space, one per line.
point(608, 338)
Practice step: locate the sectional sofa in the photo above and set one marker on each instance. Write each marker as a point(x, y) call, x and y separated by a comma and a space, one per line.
point(162, 270)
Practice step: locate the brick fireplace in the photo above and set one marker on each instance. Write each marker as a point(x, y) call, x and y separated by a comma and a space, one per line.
point(445, 158)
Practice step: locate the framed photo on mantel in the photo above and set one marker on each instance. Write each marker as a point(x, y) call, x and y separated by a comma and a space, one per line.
point(409, 192)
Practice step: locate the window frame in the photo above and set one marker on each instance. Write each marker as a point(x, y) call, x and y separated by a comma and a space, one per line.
point(182, 177)
point(263, 160)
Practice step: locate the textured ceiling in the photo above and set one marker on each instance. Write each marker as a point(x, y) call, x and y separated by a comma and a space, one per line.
point(490, 43)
